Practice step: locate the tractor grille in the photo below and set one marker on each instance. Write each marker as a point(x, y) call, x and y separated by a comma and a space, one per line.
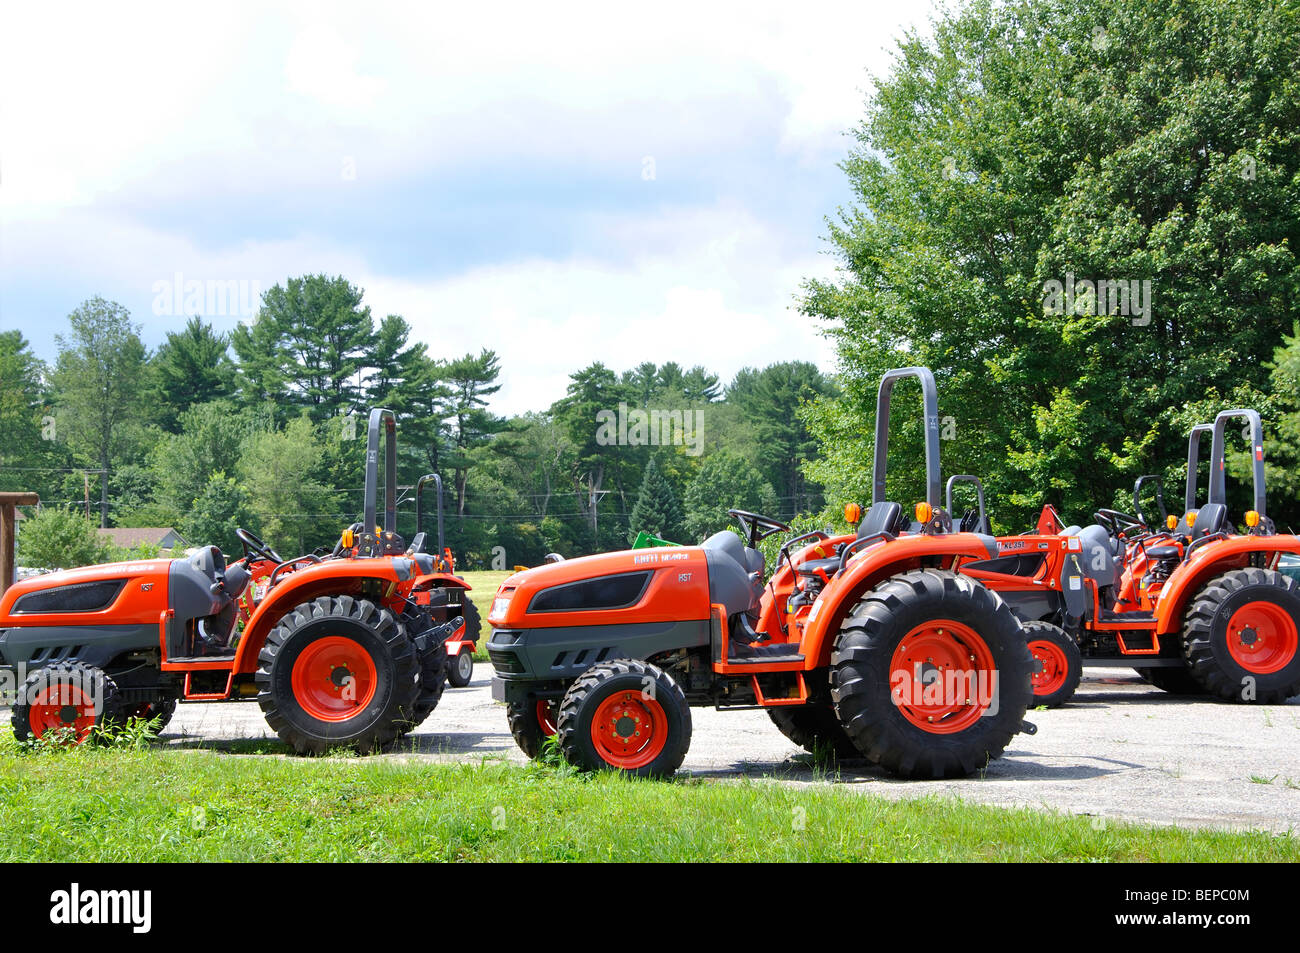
point(507, 662)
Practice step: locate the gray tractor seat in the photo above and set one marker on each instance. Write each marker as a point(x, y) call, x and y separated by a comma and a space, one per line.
point(1098, 555)
point(1210, 518)
point(883, 517)
point(735, 573)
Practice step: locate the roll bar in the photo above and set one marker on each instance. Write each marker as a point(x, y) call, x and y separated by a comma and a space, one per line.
point(436, 480)
point(1218, 488)
point(930, 407)
point(1193, 459)
point(964, 478)
point(378, 415)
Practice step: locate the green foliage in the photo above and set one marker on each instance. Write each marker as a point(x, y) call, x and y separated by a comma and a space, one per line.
point(279, 471)
point(1031, 142)
point(98, 386)
point(191, 367)
point(220, 508)
point(723, 482)
point(657, 511)
point(57, 538)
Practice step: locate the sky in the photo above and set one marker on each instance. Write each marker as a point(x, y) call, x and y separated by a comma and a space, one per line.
point(561, 183)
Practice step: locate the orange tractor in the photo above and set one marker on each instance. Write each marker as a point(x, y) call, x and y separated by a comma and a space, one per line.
point(343, 649)
point(1193, 605)
point(870, 643)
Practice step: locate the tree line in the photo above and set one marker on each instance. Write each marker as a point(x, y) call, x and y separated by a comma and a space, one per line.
point(265, 428)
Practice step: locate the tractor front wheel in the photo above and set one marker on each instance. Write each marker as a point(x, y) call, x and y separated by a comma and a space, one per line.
point(1058, 665)
point(64, 702)
point(461, 669)
point(625, 715)
point(338, 672)
point(532, 723)
point(1240, 639)
point(931, 674)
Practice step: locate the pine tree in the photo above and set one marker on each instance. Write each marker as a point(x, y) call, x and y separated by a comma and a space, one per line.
point(657, 510)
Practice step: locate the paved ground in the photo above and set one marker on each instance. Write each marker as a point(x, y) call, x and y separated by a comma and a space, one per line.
point(1120, 750)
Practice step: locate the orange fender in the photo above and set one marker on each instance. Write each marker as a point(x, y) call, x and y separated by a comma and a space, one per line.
point(868, 568)
point(1209, 561)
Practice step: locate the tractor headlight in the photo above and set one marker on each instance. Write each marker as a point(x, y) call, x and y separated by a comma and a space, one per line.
point(499, 606)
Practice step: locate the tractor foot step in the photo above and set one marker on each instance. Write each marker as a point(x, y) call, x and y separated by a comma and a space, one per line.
point(191, 659)
point(764, 659)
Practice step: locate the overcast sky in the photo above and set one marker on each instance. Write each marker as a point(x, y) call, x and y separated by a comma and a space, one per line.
point(562, 183)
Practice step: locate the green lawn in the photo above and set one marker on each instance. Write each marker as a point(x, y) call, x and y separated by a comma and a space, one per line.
point(485, 585)
point(156, 805)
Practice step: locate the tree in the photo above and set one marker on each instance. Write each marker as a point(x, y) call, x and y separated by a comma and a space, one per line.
point(770, 400)
point(211, 441)
point(97, 383)
point(724, 482)
point(57, 538)
point(657, 511)
point(21, 410)
point(191, 367)
point(592, 390)
point(471, 379)
point(220, 509)
point(308, 347)
point(279, 472)
point(1009, 162)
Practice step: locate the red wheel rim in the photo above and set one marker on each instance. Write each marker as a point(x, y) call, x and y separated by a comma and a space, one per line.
point(62, 706)
point(628, 730)
point(1262, 637)
point(334, 679)
point(546, 713)
point(1051, 667)
point(942, 677)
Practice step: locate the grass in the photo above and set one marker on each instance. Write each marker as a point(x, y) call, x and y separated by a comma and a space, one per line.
point(132, 804)
point(485, 585)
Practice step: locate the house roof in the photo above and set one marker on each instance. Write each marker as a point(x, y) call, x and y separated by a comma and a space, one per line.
point(128, 537)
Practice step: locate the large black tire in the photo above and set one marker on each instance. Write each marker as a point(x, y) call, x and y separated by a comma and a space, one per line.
point(1237, 613)
point(861, 674)
point(1175, 681)
point(630, 697)
point(814, 728)
point(526, 725)
point(460, 669)
point(366, 631)
point(1058, 664)
point(433, 679)
point(473, 621)
point(85, 695)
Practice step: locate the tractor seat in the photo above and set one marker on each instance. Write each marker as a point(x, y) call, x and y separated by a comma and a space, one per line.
point(810, 568)
point(883, 517)
point(1210, 519)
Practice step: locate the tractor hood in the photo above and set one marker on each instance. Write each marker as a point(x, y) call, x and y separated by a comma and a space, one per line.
point(664, 584)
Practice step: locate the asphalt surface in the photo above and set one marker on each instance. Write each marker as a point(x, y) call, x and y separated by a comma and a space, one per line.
point(1120, 750)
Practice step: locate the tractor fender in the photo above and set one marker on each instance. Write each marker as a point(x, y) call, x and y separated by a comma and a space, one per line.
point(440, 580)
point(872, 565)
point(330, 578)
point(781, 585)
point(1209, 561)
point(456, 646)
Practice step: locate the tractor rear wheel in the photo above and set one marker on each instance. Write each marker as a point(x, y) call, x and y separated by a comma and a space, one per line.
point(1240, 636)
point(532, 723)
point(1058, 665)
point(161, 708)
point(67, 701)
point(931, 674)
point(814, 728)
point(625, 715)
point(473, 620)
point(337, 672)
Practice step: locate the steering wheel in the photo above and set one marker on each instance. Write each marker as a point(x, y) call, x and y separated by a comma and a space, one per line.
point(253, 546)
point(757, 527)
point(1117, 521)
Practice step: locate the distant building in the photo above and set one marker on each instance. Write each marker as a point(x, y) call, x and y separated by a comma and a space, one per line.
point(164, 537)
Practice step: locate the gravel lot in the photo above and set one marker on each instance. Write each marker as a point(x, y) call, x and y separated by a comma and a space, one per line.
point(1120, 750)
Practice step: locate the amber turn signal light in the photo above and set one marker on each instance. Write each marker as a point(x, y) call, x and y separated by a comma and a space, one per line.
point(852, 513)
point(1252, 518)
point(347, 538)
point(924, 512)
point(1171, 521)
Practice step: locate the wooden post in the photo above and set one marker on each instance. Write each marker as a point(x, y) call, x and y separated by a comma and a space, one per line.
point(7, 503)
